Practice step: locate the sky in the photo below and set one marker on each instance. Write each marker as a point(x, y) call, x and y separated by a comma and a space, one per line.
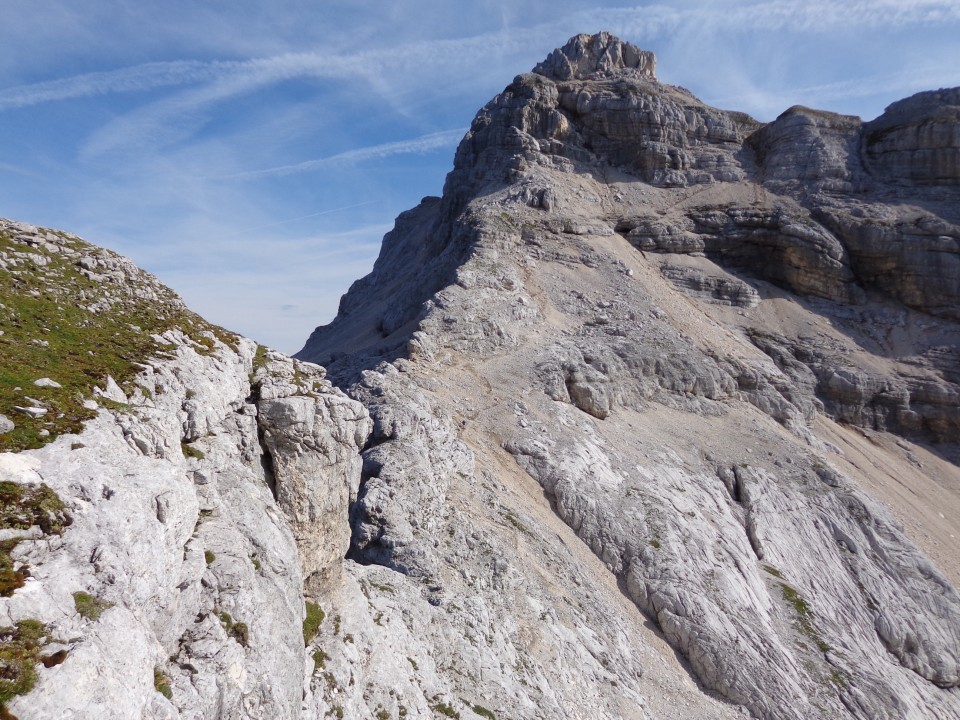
point(252, 154)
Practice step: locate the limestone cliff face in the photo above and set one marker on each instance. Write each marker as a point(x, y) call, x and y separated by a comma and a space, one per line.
point(711, 352)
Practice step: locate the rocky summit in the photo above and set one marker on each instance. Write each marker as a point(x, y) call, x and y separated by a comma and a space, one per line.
point(654, 414)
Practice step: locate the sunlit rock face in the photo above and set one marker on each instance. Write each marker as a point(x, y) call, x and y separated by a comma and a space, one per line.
point(681, 333)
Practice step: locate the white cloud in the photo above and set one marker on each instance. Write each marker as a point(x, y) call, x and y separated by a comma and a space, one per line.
point(821, 96)
point(289, 300)
point(393, 70)
point(137, 78)
point(425, 143)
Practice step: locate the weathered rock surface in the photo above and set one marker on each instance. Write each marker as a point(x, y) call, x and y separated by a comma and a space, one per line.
point(311, 436)
point(917, 140)
point(701, 337)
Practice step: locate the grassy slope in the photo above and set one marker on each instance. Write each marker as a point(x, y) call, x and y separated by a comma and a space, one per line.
point(74, 313)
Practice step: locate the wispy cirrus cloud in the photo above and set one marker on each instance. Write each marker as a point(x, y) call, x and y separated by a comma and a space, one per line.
point(423, 144)
point(391, 69)
point(642, 21)
point(137, 78)
point(919, 77)
point(814, 16)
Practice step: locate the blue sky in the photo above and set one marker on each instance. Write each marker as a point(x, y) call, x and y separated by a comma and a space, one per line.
point(253, 154)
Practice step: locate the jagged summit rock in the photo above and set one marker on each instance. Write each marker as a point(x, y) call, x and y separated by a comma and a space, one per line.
point(591, 57)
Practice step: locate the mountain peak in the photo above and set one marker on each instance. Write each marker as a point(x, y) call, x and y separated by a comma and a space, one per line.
point(587, 57)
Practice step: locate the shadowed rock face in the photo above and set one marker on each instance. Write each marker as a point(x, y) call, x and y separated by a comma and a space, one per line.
point(917, 140)
point(672, 317)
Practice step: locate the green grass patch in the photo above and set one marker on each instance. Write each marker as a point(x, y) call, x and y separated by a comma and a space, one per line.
point(237, 630)
point(189, 451)
point(209, 556)
point(312, 621)
point(803, 616)
point(445, 710)
point(20, 653)
point(773, 571)
point(483, 712)
point(162, 683)
point(23, 506)
point(259, 357)
point(320, 659)
point(89, 606)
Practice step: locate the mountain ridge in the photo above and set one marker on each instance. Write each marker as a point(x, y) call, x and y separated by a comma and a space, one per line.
point(798, 216)
point(646, 417)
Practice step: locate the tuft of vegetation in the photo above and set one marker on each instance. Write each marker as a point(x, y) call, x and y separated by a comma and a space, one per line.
point(189, 451)
point(89, 606)
point(241, 633)
point(483, 712)
point(413, 663)
point(237, 630)
point(20, 652)
point(517, 525)
point(311, 623)
point(11, 578)
point(256, 563)
point(446, 710)
point(839, 678)
point(162, 683)
point(803, 616)
point(320, 659)
point(259, 357)
point(209, 556)
point(331, 681)
point(773, 571)
point(76, 314)
point(382, 587)
point(23, 506)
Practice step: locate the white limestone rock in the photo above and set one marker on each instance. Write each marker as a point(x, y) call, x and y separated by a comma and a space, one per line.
point(176, 530)
point(312, 435)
